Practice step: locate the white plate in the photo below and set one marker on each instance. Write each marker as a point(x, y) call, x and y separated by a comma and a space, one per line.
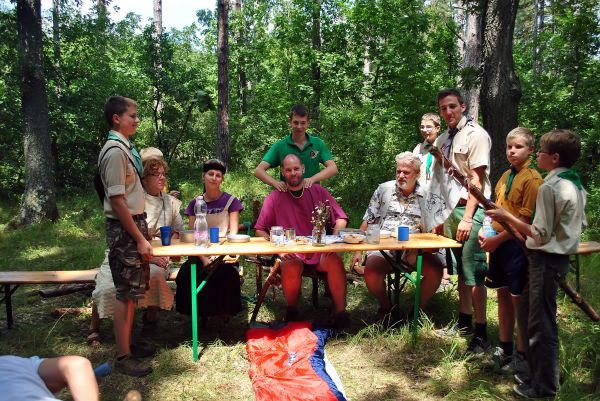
point(385, 234)
point(238, 238)
point(353, 238)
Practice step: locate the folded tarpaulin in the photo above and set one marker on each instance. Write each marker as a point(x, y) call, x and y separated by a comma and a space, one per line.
point(290, 364)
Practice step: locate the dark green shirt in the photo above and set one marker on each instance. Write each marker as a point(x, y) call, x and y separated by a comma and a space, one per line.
point(315, 152)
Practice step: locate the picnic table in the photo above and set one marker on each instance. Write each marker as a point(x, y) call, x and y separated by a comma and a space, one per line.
point(260, 246)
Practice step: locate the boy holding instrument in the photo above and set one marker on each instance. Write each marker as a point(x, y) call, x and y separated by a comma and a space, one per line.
point(554, 234)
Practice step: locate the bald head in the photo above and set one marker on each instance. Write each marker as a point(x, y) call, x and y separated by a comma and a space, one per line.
point(291, 158)
point(292, 171)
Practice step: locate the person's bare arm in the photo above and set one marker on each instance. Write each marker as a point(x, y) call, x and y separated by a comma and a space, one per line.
point(339, 224)
point(73, 371)
point(234, 222)
point(191, 221)
point(466, 224)
point(501, 214)
point(144, 248)
point(329, 171)
point(260, 172)
point(264, 234)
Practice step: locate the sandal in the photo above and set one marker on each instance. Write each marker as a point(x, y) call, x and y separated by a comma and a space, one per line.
point(94, 339)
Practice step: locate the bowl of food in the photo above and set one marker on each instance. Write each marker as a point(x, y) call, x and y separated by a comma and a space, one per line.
point(385, 234)
point(186, 236)
point(353, 238)
point(235, 238)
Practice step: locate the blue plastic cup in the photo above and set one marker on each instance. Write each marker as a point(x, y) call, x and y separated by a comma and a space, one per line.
point(403, 232)
point(214, 234)
point(165, 235)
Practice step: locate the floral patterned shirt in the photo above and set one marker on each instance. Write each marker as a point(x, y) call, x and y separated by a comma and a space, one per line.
point(402, 210)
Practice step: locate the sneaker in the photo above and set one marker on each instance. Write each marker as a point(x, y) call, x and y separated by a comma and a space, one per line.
point(525, 391)
point(142, 350)
point(517, 365)
point(131, 366)
point(478, 345)
point(521, 378)
point(454, 331)
point(497, 360)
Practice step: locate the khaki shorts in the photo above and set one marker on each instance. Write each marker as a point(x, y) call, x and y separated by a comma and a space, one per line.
point(130, 275)
point(470, 260)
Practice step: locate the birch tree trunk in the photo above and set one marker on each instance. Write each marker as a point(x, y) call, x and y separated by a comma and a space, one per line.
point(39, 201)
point(222, 82)
point(240, 39)
point(316, 65)
point(538, 27)
point(500, 86)
point(157, 111)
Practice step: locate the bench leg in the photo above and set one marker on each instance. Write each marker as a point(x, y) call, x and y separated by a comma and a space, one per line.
point(8, 301)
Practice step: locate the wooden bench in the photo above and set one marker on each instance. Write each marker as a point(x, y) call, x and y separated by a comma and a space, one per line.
point(585, 248)
point(13, 280)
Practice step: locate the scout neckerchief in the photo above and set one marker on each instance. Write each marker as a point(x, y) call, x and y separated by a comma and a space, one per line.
point(572, 176)
point(511, 177)
point(426, 146)
point(132, 149)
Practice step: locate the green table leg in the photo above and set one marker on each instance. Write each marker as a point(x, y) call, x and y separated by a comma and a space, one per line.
point(417, 294)
point(194, 314)
point(195, 290)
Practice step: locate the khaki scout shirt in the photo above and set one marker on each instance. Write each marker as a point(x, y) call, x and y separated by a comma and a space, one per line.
point(120, 177)
point(559, 216)
point(470, 149)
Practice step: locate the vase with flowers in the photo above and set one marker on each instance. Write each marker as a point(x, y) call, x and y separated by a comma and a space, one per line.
point(319, 220)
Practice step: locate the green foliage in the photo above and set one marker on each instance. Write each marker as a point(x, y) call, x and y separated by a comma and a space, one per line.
point(381, 63)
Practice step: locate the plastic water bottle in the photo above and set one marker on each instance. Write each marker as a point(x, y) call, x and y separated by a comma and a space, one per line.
point(201, 226)
point(488, 229)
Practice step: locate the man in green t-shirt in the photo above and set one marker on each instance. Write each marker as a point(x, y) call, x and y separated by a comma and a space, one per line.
point(310, 149)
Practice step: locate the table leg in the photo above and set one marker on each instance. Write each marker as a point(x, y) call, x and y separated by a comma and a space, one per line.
point(417, 293)
point(195, 290)
point(194, 314)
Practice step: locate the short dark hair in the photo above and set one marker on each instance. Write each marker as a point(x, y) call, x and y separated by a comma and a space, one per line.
point(564, 142)
point(116, 105)
point(300, 110)
point(450, 92)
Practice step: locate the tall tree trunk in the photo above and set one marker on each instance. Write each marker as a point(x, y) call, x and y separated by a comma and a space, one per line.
point(158, 31)
point(56, 41)
point(316, 65)
point(538, 27)
point(500, 86)
point(472, 62)
point(222, 82)
point(56, 4)
point(241, 41)
point(39, 201)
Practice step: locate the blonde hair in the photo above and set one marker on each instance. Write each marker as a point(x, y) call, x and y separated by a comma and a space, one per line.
point(521, 132)
point(432, 117)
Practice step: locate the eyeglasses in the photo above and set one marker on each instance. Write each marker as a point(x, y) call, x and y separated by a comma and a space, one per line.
point(543, 151)
point(159, 175)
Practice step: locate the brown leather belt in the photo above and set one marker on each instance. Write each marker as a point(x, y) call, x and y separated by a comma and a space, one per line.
point(462, 202)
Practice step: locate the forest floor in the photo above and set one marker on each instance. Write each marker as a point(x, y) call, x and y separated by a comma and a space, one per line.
point(373, 363)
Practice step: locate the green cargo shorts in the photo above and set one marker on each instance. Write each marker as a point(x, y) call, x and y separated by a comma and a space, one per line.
point(130, 274)
point(470, 260)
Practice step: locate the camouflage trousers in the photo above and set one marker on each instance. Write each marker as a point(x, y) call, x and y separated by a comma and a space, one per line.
point(130, 274)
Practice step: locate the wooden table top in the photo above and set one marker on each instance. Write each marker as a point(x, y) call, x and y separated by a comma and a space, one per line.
point(261, 246)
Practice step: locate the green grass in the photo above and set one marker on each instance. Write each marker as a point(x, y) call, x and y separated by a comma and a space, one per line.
point(374, 364)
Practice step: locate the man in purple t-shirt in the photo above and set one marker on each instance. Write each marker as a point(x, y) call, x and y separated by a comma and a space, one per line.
point(293, 209)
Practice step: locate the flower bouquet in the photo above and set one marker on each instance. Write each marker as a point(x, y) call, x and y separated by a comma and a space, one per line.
point(319, 220)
